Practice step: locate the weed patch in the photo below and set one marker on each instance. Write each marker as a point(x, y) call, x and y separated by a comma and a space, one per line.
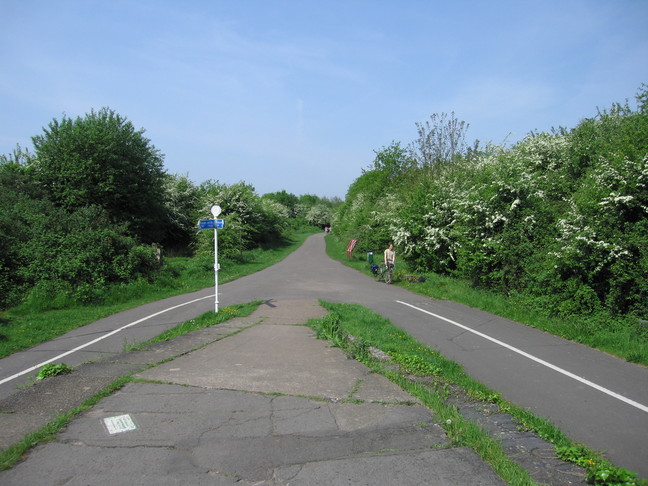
point(52, 369)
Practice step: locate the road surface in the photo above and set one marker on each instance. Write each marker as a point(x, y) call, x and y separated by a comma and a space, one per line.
point(594, 398)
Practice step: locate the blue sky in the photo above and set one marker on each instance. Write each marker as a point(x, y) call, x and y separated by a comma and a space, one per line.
point(298, 95)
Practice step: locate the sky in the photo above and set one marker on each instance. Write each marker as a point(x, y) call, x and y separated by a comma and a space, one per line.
point(299, 95)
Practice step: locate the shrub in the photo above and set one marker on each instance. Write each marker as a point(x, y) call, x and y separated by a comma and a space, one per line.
point(76, 256)
point(561, 217)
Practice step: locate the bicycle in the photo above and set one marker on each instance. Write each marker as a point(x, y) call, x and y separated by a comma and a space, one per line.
point(383, 273)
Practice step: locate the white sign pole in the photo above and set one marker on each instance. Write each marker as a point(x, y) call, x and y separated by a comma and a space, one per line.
point(215, 210)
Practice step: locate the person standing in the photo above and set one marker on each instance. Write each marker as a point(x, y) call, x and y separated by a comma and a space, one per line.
point(390, 261)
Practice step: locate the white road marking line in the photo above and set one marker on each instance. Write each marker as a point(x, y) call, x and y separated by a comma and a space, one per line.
point(78, 348)
point(536, 359)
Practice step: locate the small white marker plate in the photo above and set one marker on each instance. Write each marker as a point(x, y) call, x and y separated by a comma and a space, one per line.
point(121, 423)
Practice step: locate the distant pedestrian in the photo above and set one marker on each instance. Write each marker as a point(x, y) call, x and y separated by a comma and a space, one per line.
point(390, 261)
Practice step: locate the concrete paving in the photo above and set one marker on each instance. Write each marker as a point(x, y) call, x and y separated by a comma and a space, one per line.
point(258, 400)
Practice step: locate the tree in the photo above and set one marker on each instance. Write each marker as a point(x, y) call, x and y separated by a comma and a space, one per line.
point(367, 213)
point(250, 223)
point(393, 161)
point(17, 195)
point(319, 215)
point(182, 202)
point(49, 255)
point(288, 200)
point(642, 98)
point(102, 160)
point(440, 141)
point(309, 200)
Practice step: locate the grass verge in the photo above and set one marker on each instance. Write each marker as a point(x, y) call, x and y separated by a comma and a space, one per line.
point(28, 325)
point(626, 339)
point(411, 359)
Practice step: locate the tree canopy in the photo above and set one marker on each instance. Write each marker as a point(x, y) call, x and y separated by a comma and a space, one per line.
point(102, 160)
point(79, 214)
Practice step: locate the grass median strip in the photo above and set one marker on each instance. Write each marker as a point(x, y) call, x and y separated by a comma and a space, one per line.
point(437, 382)
point(206, 320)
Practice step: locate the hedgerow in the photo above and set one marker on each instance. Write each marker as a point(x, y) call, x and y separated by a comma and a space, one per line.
point(560, 218)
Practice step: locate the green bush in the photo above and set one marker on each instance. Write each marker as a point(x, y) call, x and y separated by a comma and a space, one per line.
point(249, 220)
point(101, 159)
point(561, 217)
point(74, 214)
point(75, 257)
point(370, 210)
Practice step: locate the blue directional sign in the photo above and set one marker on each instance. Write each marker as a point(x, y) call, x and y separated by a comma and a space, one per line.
point(206, 224)
point(211, 224)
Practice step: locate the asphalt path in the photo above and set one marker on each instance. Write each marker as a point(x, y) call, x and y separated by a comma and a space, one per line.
point(594, 398)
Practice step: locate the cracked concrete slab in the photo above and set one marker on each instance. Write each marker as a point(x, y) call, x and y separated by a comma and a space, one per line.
point(274, 358)
point(444, 467)
point(270, 405)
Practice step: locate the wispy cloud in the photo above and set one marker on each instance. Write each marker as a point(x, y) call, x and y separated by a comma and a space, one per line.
point(234, 87)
